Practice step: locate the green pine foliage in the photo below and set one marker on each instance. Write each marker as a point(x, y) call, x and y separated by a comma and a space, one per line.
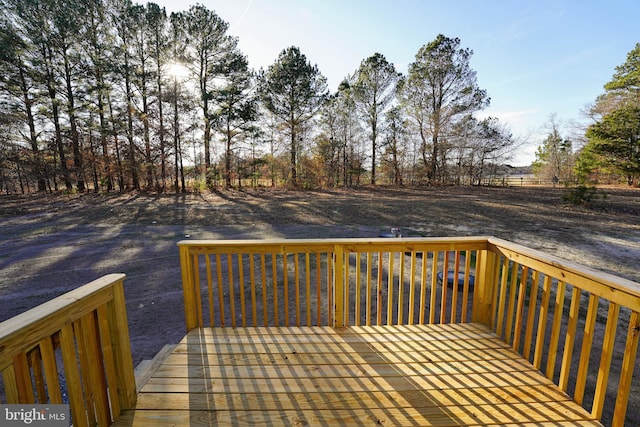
point(613, 147)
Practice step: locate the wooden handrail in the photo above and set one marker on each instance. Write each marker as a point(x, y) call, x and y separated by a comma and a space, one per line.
point(520, 293)
point(87, 329)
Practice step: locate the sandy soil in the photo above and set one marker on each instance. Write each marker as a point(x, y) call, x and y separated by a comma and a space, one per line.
point(51, 244)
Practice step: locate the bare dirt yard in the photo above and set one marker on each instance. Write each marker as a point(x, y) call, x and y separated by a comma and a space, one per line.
point(52, 244)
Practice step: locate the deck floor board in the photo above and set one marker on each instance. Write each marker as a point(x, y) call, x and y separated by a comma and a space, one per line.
point(427, 375)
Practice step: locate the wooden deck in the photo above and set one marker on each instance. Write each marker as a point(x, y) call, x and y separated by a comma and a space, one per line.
point(427, 375)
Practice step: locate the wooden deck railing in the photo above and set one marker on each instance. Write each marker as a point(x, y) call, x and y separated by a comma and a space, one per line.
point(553, 311)
point(80, 337)
point(549, 310)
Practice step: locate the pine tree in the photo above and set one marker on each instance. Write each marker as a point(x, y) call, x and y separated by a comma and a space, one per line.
point(614, 140)
point(440, 88)
point(374, 90)
point(293, 90)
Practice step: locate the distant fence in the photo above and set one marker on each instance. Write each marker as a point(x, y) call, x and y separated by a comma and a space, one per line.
point(523, 181)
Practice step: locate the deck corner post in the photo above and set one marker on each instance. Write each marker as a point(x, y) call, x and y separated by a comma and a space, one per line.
point(338, 286)
point(486, 277)
point(188, 288)
point(119, 331)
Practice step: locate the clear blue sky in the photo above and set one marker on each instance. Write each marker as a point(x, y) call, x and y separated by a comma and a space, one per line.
point(534, 58)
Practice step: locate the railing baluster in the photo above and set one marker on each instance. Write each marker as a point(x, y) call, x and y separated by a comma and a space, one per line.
point(522, 291)
point(552, 350)
point(434, 287)
point(542, 322)
point(243, 304)
point(444, 288)
point(220, 289)
point(307, 273)
point(358, 301)
point(50, 367)
point(390, 286)
point(412, 288)
point(465, 289)
point(330, 289)
point(379, 292)
point(369, 289)
point(400, 315)
point(297, 286)
point(504, 275)
point(68, 348)
point(605, 360)
point(455, 285)
point(531, 314)
point(252, 279)
point(212, 319)
point(274, 277)
point(570, 339)
point(319, 288)
point(585, 353)
point(296, 272)
point(344, 272)
point(285, 283)
point(495, 280)
point(263, 275)
point(515, 270)
point(196, 290)
point(35, 361)
point(339, 287)
point(423, 288)
point(231, 284)
point(400, 306)
point(626, 372)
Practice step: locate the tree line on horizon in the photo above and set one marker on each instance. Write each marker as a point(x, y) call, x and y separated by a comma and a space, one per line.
point(111, 95)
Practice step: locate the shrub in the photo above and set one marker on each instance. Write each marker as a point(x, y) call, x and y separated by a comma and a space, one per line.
point(581, 195)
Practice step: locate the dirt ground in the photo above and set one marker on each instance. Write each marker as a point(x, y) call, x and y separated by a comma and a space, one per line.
point(52, 244)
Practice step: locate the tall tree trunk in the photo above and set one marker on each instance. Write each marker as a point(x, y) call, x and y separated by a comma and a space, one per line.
point(163, 160)
point(51, 89)
point(147, 139)
point(75, 137)
point(374, 136)
point(133, 164)
point(227, 157)
point(294, 150)
point(106, 156)
point(433, 170)
point(207, 140)
point(94, 159)
point(33, 138)
point(176, 132)
point(114, 132)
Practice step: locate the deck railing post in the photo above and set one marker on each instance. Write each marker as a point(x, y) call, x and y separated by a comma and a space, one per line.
point(188, 289)
point(119, 329)
point(338, 286)
point(484, 288)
